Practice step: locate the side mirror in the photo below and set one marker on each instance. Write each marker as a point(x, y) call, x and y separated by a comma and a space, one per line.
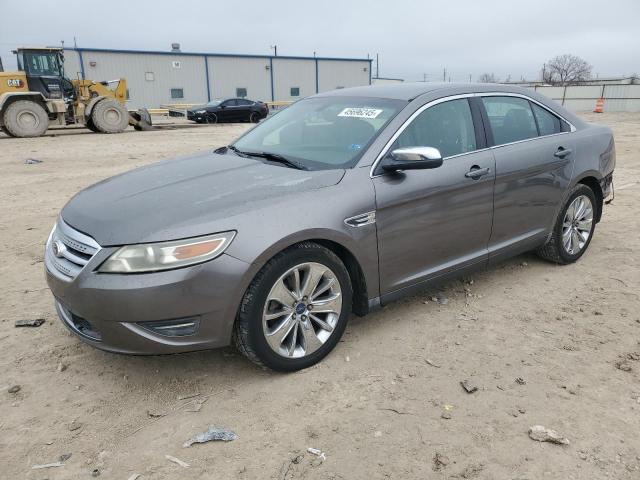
point(412, 158)
point(223, 106)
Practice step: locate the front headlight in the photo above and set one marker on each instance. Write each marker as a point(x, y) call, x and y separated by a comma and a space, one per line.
point(152, 257)
point(201, 111)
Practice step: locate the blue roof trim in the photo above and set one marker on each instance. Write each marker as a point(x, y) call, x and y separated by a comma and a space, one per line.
point(211, 54)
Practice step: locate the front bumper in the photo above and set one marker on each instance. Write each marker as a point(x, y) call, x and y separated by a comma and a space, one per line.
point(109, 311)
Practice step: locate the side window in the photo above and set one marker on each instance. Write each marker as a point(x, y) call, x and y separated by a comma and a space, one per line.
point(447, 126)
point(510, 118)
point(177, 93)
point(295, 91)
point(241, 92)
point(548, 123)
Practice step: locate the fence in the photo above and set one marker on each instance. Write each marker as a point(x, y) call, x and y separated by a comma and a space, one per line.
point(580, 98)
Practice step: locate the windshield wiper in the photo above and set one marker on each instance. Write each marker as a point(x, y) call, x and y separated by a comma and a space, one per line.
point(273, 157)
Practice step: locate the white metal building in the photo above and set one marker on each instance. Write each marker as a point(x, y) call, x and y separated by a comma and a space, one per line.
point(155, 78)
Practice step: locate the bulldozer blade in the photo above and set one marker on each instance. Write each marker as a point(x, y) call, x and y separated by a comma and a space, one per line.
point(141, 120)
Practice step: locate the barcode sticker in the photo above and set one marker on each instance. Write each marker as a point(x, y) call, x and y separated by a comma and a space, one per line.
point(357, 112)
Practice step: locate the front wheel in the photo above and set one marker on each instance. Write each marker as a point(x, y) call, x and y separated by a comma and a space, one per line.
point(254, 117)
point(110, 116)
point(574, 227)
point(295, 310)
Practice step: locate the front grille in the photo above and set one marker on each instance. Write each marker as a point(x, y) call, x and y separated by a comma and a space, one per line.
point(68, 251)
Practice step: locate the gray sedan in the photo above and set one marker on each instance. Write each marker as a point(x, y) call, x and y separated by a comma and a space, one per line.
point(341, 203)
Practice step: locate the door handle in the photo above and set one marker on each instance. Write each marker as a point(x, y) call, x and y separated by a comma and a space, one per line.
point(562, 152)
point(476, 172)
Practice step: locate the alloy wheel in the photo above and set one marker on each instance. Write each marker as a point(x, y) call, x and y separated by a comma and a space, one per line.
point(577, 225)
point(302, 310)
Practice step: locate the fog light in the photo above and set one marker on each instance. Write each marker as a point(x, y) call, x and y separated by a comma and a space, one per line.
point(179, 327)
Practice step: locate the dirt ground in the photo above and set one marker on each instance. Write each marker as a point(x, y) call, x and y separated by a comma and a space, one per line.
point(546, 345)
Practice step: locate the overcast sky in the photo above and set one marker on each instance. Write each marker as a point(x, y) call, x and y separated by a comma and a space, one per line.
point(413, 38)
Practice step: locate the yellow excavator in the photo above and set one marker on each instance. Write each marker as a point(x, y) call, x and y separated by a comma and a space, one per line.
point(39, 95)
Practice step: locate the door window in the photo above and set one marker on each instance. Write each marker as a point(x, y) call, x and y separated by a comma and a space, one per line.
point(510, 118)
point(447, 126)
point(177, 93)
point(241, 92)
point(548, 123)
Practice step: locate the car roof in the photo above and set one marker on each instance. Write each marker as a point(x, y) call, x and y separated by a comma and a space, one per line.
point(410, 90)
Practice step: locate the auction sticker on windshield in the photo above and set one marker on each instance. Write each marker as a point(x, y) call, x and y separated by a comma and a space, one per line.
point(357, 112)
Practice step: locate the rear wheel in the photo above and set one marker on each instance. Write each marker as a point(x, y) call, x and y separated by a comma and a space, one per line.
point(254, 117)
point(574, 227)
point(110, 116)
point(295, 310)
point(26, 118)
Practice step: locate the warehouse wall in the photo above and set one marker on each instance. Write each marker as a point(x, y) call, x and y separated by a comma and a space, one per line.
point(151, 76)
point(289, 73)
point(334, 74)
point(226, 74)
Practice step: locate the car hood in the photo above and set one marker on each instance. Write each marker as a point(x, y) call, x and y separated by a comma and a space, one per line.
point(186, 197)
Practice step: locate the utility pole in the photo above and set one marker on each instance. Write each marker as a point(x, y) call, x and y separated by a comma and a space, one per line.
point(424, 77)
point(444, 75)
point(469, 78)
point(377, 65)
point(275, 50)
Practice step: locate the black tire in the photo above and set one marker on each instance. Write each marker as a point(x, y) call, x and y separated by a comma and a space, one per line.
point(210, 118)
point(254, 117)
point(248, 335)
point(554, 250)
point(5, 131)
point(110, 116)
point(26, 118)
point(91, 126)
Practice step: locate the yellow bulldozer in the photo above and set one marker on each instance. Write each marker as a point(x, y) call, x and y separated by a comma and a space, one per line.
point(39, 95)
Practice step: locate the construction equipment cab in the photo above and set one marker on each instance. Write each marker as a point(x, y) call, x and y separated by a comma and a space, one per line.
point(39, 95)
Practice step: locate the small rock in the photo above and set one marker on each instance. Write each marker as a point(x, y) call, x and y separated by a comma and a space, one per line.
point(34, 322)
point(445, 415)
point(468, 387)
point(542, 434)
point(347, 359)
point(521, 381)
point(212, 434)
point(624, 366)
point(32, 161)
point(524, 264)
point(74, 425)
point(440, 461)
point(582, 455)
point(471, 471)
point(95, 472)
point(61, 367)
point(64, 457)
point(377, 434)
point(14, 389)
point(442, 300)
point(598, 312)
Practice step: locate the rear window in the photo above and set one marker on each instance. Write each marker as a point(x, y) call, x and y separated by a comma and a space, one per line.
point(548, 123)
point(511, 119)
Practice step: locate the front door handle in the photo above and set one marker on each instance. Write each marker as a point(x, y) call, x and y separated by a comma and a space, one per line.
point(476, 172)
point(562, 152)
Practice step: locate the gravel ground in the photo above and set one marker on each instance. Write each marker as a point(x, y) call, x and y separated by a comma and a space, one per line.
point(545, 345)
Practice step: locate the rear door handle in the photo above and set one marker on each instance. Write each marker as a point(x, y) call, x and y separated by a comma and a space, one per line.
point(476, 172)
point(562, 152)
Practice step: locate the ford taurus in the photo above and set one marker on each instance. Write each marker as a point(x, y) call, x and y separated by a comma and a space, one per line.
point(341, 203)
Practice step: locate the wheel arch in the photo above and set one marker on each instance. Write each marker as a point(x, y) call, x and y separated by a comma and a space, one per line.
point(7, 99)
point(591, 180)
point(91, 104)
point(340, 247)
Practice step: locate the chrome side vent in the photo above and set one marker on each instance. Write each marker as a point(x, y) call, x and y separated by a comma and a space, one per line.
point(361, 220)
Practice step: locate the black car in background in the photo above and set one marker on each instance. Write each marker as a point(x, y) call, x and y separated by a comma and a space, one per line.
point(229, 110)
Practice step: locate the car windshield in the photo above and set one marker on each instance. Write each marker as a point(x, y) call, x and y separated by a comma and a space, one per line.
point(322, 133)
point(214, 103)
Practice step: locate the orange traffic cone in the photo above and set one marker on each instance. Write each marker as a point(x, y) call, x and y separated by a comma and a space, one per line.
point(599, 105)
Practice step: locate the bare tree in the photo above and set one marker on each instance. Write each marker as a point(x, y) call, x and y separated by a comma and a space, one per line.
point(566, 69)
point(488, 78)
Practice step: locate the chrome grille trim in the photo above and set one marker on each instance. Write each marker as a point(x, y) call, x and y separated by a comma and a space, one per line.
point(74, 250)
